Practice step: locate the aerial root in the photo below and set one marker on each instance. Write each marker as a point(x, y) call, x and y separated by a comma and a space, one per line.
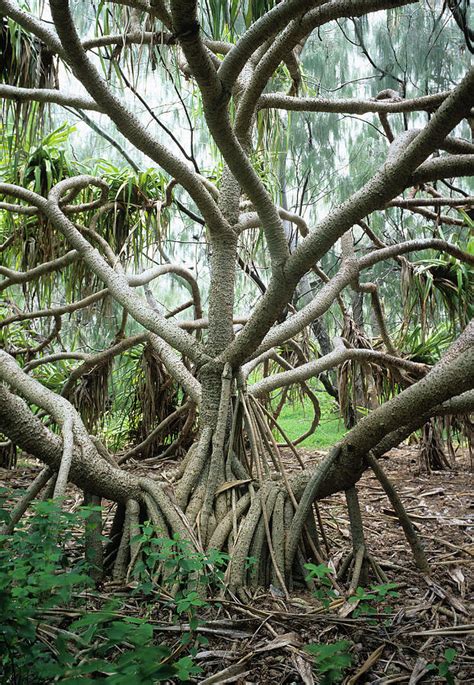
point(156, 505)
point(194, 467)
point(216, 475)
point(227, 527)
point(405, 522)
point(359, 557)
point(258, 554)
point(278, 539)
point(269, 534)
point(115, 536)
point(94, 550)
point(197, 497)
point(119, 570)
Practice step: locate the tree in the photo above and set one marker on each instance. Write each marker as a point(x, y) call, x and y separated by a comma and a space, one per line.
point(232, 490)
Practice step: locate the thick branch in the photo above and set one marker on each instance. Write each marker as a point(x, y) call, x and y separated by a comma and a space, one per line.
point(350, 105)
point(127, 123)
point(49, 96)
point(452, 376)
point(88, 470)
point(329, 361)
point(388, 182)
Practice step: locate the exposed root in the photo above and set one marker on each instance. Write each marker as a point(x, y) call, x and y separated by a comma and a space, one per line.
point(360, 575)
point(115, 537)
point(360, 558)
point(405, 522)
point(216, 467)
point(234, 494)
point(194, 468)
point(123, 553)
point(432, 454)
point(93, 537)
point(227, 527)
point(156, 517)
point(278, 540)
point(134, 527)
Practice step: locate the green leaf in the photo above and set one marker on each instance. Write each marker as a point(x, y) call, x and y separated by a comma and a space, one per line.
point(450, 654)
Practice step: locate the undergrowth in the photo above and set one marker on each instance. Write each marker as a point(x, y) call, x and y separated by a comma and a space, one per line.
point(58, 625)
point(42, 585)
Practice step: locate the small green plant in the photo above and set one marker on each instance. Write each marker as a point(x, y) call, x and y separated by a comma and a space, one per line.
point(443, 667)
point(118, 650)
point(182, 567)
point(38, 578)
point(330, 661)
point(324, 592)
point(371, 602)
point(35, 575)
point(185, 573)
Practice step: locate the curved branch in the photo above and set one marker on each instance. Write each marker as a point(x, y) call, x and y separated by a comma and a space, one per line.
point(388, 182)
point(427, 103)
point(290, 37)
point(329, 361)
point(181, 271)
point(452, 376)
point(349, 272)
point(431, 202)
point(16, 277)
point(215, 98)
point(88, 469)
point(116, 282)
point(21, 506)
point(50, 358)
point(260, 31)
point(33, 25)
point(63, 413)
point(448, 166)
point(55, 311)
point(127, 123)
point(131, 38)
point(47, 95)
point(412, 246)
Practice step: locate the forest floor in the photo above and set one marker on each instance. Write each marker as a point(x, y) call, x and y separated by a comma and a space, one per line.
point(264, 640)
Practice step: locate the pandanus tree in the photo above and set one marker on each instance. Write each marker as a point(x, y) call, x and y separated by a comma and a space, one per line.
point(232, 489)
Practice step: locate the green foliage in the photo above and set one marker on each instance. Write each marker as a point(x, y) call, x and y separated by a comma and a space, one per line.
point(371, 602)
point(324, 592)
point(183, 567)
point(186, 573)
point(437, 288)
point(38, 579)
point(330, 661)
point(103, 636)
point(443, 667)
point(34, 577)
point(427, 346)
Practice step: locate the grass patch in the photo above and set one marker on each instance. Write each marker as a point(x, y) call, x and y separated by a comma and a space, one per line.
point(295, 419)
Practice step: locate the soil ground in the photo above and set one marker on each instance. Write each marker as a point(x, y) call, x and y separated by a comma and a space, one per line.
point(263, 640)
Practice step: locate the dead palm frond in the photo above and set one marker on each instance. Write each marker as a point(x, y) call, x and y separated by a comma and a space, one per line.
point(156, 397)
point(26, 63)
